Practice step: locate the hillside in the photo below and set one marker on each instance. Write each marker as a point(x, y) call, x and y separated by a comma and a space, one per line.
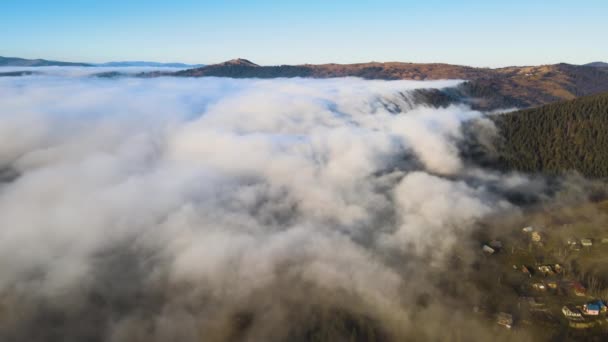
point(558, 137)
point(22, 62)
point(494, 88)
point(598, 64)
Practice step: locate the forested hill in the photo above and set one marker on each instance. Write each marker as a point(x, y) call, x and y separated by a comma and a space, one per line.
point(558, 137)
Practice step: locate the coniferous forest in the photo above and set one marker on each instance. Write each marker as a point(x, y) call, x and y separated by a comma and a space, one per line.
point(558, 137)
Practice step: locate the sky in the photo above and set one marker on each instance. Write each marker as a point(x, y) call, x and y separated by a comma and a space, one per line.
point(477, 33)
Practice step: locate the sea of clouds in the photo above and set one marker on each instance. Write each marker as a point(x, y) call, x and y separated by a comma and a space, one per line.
point(215, 209)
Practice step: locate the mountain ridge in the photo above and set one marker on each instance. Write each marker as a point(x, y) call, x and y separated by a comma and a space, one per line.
point(598, 64)
point(490, 88)
point(23, 62)
point(516, 86)
point(120, 64)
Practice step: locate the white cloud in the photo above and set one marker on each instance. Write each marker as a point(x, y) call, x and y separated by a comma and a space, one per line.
point(229, 185)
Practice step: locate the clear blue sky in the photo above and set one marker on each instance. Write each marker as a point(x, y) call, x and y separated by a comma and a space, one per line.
point(480, 33)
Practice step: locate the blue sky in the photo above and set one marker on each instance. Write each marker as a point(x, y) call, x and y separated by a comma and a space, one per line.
point(479, 33)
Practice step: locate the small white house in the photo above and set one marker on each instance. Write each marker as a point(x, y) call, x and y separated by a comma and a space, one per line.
point(528, 229)
point(488, 250)
point(539, 286)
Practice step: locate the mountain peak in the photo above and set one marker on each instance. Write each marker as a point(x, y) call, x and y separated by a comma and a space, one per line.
point(239, 62)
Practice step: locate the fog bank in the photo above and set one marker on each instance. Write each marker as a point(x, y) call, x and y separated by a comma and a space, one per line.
point(221, 209)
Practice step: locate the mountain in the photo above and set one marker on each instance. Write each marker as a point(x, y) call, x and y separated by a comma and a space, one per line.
point(521, 87)
point(148, 64)
point(486, 88)
point(22, 62)
point(562, 136)
point(237, 62)
point(598, 64)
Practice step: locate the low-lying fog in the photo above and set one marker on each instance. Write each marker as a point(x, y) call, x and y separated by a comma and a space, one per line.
point(175, 209)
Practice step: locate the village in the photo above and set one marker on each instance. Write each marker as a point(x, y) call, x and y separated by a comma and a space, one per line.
point(544, 280)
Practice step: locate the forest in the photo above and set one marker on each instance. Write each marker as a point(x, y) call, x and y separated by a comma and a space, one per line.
point(556, 138)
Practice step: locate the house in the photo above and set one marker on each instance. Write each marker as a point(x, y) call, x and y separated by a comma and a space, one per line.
point(539, 286)
point(572, 313)
point(552, 284)
point(546, 270)
point(591, 309)
point(579, 289)
point(594, 308)
point(488, 250)
point(586, 242)
point(574, 286)
point(528, 229)
point(504, 319)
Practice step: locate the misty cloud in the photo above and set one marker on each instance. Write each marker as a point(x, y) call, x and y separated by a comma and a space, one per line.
point(160, 209)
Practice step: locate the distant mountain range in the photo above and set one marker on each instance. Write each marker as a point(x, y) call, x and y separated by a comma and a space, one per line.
point(22, 62)
point(520, 87)
point(148, 64)
point(488, 89)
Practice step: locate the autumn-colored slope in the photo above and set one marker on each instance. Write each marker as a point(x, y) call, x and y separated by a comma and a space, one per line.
point(528, 86)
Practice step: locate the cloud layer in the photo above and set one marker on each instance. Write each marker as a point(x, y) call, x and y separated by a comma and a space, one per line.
point(217, 209)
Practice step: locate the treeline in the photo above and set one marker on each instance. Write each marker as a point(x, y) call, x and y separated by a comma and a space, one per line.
point(558, 137)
